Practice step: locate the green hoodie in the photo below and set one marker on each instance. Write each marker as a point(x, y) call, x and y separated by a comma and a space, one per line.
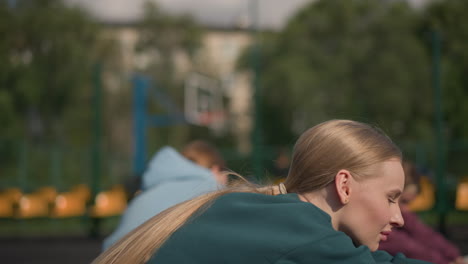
point(244, 228)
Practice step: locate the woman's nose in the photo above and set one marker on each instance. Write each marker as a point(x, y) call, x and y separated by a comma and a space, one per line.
point(397, 219)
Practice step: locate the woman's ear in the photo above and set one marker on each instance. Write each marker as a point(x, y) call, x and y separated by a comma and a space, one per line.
point(343, 181)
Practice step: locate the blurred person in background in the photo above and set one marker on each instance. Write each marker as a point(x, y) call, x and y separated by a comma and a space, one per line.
point(280, 166)
point(171, 178)
point(415, 239)
point(339, 200)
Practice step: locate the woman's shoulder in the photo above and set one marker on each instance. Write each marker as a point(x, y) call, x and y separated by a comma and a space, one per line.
point(260, 197)
point(283, 204)
point(285, 213)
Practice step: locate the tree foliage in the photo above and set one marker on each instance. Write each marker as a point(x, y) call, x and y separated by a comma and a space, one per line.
point(356, 59)
point(164, 37)
point(47, 52)
point(448, 20)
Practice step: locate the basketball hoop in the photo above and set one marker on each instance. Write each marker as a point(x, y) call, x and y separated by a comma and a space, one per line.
point(209, 118)
point(204, 101)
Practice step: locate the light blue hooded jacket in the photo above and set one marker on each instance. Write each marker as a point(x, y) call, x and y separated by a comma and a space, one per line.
point(170, 179)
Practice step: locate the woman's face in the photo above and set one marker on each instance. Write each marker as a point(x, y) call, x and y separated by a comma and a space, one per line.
point(373, 209)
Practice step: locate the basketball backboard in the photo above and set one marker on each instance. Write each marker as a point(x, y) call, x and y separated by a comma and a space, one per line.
point(204, 101)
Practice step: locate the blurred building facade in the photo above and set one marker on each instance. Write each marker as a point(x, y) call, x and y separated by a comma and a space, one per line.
point(216, 57)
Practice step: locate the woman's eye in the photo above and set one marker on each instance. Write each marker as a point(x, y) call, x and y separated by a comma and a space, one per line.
point(391, 200)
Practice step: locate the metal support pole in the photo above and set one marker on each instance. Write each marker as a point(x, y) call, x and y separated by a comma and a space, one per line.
point(23, 168)
point(140, 89)
point(255, 62)
point(439, 126)
point(96, 148)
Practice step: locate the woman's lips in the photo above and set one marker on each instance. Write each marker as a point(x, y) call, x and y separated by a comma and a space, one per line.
point(384, 235)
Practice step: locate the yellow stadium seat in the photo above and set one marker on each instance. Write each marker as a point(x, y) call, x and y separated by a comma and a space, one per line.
point(68, 204)
point(426, 197)
point(6, 207)
point(31, 206)
point(461, 200)
point(109, 203)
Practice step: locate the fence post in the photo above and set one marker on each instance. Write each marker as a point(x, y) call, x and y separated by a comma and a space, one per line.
point(439, 126)
point(96, 157)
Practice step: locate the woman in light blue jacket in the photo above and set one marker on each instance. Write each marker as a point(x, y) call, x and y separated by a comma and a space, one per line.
point(172, 178)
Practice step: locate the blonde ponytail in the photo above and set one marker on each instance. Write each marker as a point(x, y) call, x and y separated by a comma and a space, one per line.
point(141, 244)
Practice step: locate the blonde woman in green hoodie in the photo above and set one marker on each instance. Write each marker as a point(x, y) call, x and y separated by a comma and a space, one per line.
point(339, 200)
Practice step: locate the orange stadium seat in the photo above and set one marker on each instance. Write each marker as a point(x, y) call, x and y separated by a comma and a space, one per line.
point(426, 197)
point(14, 194)
point(48, 193)
point(82, 190)
point(461, 200)
point(109, 203)
point(6, 206)
point(31, 206)
point(68, 204)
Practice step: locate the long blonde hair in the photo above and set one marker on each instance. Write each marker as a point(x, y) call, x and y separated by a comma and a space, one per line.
point(324, 149)
point(318, 155)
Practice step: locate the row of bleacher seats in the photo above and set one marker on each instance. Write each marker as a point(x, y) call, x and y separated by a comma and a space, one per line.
point(426, 197)
point(47, 202)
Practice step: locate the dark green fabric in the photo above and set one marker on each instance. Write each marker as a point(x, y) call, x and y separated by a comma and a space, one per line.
point(254, 228)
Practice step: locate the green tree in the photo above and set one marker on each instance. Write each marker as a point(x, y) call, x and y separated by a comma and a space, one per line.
point(47, 52)
point(448, 20)
point(356, 59)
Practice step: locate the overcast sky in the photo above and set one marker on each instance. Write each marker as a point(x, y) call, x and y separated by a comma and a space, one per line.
point(218, 13)
point(223, 13)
